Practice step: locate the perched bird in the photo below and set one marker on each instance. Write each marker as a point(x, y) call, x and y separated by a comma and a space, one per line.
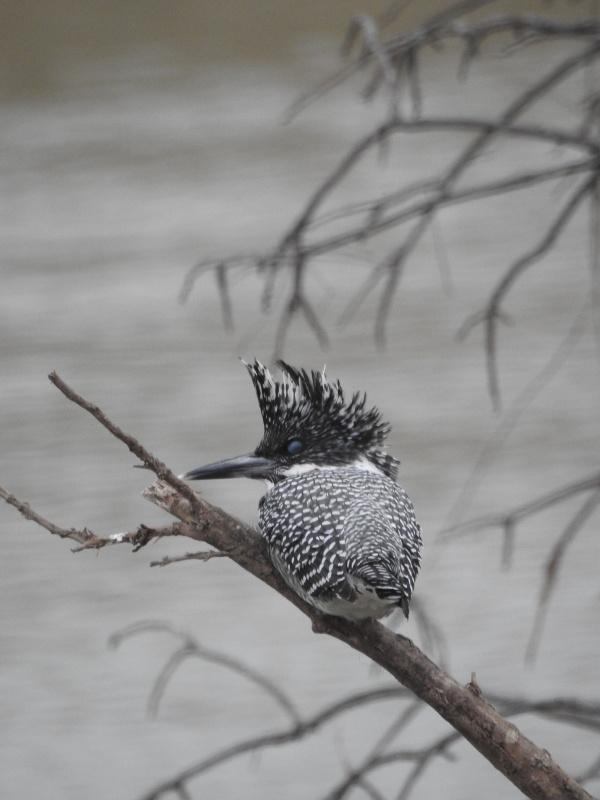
point(339, 529)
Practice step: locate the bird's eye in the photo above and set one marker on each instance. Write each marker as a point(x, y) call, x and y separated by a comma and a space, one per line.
point(294, 446)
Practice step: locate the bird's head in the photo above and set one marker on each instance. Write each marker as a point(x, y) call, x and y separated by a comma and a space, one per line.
point(307, 424)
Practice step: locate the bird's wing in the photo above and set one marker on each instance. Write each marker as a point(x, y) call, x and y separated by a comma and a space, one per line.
point(383, 541)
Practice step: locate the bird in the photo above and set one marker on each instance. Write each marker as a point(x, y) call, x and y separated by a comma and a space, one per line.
point(338, 527)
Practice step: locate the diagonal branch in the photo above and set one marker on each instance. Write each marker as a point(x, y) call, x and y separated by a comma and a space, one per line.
point(484, 129)
point(526, 510)
point(374, 209)
point(526, 765)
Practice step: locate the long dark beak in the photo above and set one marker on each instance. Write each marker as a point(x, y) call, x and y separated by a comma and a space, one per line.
point(248, 466)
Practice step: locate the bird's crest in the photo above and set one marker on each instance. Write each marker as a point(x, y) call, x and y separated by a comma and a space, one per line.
point(303, 401)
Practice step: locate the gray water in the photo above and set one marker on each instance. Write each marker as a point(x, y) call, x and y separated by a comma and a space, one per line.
point(132, 167)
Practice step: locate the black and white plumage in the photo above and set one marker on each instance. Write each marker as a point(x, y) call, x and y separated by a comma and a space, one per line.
point(340, 530)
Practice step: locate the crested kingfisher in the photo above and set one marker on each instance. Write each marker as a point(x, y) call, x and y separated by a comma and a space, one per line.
point(339, 529)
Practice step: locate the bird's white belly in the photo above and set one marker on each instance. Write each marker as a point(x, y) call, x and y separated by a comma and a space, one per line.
point(366, 605)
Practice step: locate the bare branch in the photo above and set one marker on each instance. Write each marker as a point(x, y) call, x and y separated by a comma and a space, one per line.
point(86, 538)
point(516, 108)
point(553, 565)
point(223, 286)
point(367, 27)
point(206, 265)
point(529, 767)
point(508, 521)
point(390, 61)
point(486, 131)
point(568, 710)
point(297, 303)
point(483, 127)
point(374, 210)
point(491, 314)
point(469, 713)
point(294, 733)
point(369, 789)
point(394, 266)
point(429, 33)
point(527, 509)
point(446, 25)
point(161, 681)
point(190, 647)
point(357, 775)
point(422, 762)
point(414, 81)
point(509, 420)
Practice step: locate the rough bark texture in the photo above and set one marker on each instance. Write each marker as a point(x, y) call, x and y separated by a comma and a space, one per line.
point(526, 765)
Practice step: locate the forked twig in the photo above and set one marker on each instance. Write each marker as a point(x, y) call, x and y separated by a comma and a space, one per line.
point(190, 647)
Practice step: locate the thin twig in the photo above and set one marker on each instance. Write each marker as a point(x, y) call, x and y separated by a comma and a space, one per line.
point(491, 314)
point(87, 539)
point(552, 567)
point(521, 512)
point(431, 32)
point(223, 287)
point(377, 221)
point(510, 418)
point(358, 774)
point(84, 536)
point(190, 647)
point(201, 555)
point(437, 748)
point(294, 733)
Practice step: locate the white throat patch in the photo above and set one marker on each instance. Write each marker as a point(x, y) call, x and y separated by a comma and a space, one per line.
point(360, 463)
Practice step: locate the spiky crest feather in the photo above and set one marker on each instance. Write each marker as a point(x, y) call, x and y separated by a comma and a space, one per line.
point(304, 403)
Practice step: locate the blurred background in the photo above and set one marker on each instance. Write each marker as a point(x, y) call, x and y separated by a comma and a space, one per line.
point(136, 139)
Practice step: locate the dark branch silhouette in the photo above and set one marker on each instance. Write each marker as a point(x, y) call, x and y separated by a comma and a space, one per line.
point(393, 65)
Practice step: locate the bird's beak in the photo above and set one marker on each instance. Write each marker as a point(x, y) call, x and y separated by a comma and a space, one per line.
point(247, 466)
